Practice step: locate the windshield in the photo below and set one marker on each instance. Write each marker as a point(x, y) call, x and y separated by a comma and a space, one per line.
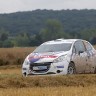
point(53, 47)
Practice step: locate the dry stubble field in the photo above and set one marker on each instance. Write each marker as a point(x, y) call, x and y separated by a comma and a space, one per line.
point(13, 84)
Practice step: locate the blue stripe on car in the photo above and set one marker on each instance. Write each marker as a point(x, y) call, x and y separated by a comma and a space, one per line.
point(60, 66)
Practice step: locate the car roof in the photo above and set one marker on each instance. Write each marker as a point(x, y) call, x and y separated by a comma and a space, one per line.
point(58, 41)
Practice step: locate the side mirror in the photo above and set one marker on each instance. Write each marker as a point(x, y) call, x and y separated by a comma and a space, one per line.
point(80, 52)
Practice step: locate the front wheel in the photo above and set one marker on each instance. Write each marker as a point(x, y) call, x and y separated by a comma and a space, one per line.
point(71, 69)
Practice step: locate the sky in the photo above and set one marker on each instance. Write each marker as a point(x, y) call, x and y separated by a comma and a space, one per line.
point(10, 6)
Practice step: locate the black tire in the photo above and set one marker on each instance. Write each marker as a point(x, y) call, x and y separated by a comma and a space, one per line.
point(71, 69)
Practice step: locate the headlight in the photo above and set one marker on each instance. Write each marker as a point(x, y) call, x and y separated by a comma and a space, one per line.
point(26, 62)
point(60, 59)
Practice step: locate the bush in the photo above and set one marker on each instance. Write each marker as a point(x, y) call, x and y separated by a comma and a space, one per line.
point(3, 62)
point(7, 44)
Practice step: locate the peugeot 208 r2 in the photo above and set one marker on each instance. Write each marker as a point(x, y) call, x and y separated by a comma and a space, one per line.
point(61, 56)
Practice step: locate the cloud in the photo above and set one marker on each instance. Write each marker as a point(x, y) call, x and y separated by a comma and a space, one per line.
point(9, 6)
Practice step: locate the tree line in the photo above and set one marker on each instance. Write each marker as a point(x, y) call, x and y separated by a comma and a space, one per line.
point(35, 27)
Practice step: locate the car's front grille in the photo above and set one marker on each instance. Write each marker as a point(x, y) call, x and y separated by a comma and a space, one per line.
point(40, 67)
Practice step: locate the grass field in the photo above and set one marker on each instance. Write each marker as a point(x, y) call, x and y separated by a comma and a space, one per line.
point(50, 91)
point(13, 84)
point(75, 85)
point(14, 56)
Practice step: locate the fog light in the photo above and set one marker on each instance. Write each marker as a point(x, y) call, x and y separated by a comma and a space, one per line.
point(58, 71)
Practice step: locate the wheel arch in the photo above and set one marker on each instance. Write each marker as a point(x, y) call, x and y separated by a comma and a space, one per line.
point(72, 62)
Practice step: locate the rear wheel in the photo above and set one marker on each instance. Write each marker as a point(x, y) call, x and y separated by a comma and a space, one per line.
point(71, 69)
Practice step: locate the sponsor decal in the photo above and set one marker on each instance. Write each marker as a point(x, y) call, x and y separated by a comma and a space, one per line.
point(60, 66)
point(35, 58)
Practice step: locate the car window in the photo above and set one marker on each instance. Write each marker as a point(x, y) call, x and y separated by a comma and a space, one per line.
point(88, 46)
point(53, 47)
point(79, 46)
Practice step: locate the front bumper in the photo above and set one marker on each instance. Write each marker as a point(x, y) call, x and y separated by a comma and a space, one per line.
point(52, 68)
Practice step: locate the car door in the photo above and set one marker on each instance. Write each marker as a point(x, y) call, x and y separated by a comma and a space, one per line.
point(79, 56)
point(90, 65)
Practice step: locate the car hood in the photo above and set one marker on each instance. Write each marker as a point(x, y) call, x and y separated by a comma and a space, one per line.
point(44, 57)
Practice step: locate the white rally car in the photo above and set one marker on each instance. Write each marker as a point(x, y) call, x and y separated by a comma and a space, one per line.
point(61, 56)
